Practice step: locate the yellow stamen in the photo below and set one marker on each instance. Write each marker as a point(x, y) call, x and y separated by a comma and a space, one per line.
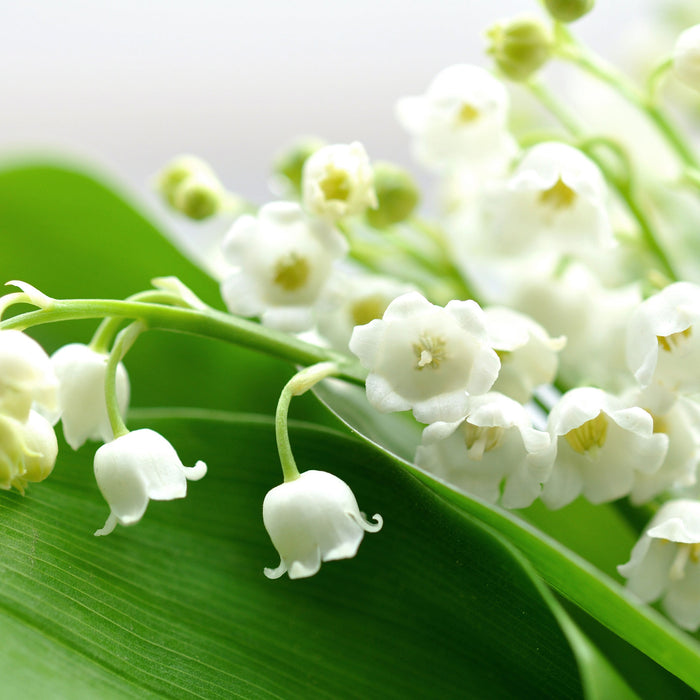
point(467, 114)
point(672, 341)
point(291, 272)
point(558, 196)
point(367, 309)
point(589, 436)
point(479, 440)
point(336, 184)
point(430, 352)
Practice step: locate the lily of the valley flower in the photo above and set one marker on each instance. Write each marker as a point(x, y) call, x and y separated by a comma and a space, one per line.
point(426, 358)
point(460, 120)
point(494, 453)
point(663, 339)
point(81, 375)
point(338, 181)
point(529, 357)
point(665, 563)
point(312, 519)
point(28, 450)
point(136, 467)
point(26, 376)
point(601, 445)
point(686, 57)
point(282, 259)
point(556, 199)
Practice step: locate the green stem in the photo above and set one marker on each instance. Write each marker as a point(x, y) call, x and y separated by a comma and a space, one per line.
point(208, 323)
point(571, 50)
point(125, 339)
point(102, 339)
point(297, 385)
point(623, 187)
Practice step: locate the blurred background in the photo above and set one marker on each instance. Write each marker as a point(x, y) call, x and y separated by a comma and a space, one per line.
point(124, 86)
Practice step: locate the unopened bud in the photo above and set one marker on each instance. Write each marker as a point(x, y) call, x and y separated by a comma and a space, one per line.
point(176, 172)
point(397, 195)
point(290, 163)
point(519, 47)
point(568, 10)
point(198, 196)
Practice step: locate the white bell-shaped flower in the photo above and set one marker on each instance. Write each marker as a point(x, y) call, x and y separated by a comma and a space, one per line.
point(665, 563)
point(26, 376)
point(529, 357)
point(555, 200)
point(353, 299)
point(681, 423)
point(686, 57)
point(312, 519)
point(494, 453)
point(81, 375)
point(460, 121)
point(282, 258)
point(426, 358)
point(663, 339)
point(601, 445)
point(338, 181)
point(137, 467)
point(28, 450)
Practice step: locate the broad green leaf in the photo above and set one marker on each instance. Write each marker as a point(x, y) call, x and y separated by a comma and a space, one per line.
point(177, 606)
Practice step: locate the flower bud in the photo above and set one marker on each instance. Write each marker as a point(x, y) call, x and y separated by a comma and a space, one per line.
point(397, 195)
point(176, 172)
point(290, 163)
point(41, 450)
point(519, 47)
point(199, 196)
point(568, 10)
point(686, 57)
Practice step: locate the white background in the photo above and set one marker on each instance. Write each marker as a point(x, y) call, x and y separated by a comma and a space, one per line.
point(126, 85)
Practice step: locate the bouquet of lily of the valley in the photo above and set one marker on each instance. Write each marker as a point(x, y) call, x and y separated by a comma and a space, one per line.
point(512, 384)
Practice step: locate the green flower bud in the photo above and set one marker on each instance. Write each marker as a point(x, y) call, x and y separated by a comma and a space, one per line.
point(198, 196)
point(519, 47)
point(568, 10)
point(176, 172)
point(397, 195)
point(290, 163)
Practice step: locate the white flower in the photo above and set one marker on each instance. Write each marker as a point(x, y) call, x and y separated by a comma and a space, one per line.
point(282, 259)
point(686, 57)
point(136, 467)
point(494, 453)
point(601, 445)
point(312, 519)
point(665, 563)
point(338, 181)
point(26, 376)
point(663, 339)
point(681, 423)
point(593, 319)
point(350, 300)
point(460, 120)
point(555, 200)
point(28, 450)
point(81, 375)
point(529, 357)
point(426, 358)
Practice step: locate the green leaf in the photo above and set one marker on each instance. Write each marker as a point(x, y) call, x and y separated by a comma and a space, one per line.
point(432, 606)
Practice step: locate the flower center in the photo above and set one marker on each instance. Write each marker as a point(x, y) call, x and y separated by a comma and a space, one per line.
point(291, 272)
point(479, 440)
point(336, 184)
point(674, 340)
point(686, 550)
point(558, 196)
point(430, 352)
point(367, 309)
point(589, 436)
point(467, 114)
